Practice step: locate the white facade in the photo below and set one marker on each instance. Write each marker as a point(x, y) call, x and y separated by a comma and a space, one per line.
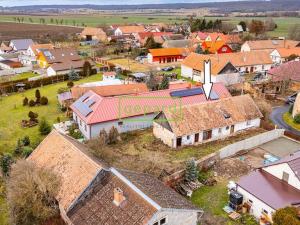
point(118, 32)
point(170, 138)
point(198, 76)
point(175, 217)
point(125, 125)
point(245, 47)
point(150, 58)
point(257, 206)
point(254, 68)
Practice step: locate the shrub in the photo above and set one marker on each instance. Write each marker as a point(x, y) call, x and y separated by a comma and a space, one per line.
point(113, 135)
point(5, 162)
point(44, 127)
point(26, 141)
point(288, 215)
point(191, 171)
point(70, 84)
point(297, 118)
point(73, 75)
point(37, 96)
point(75, 132)
point(62, 90)
point(31, 103)
point(27, 150)
point(19, 147)
point(25, 101)
point(44, 101)
point(33, 116)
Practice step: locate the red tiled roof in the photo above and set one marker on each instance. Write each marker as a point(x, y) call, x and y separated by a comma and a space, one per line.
point(108, 109)
point(269, 189)
point(286, 71)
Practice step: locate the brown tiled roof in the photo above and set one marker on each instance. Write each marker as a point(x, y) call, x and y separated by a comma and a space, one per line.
point(271, 44)
point(98, 207)
point(98, 32)
point(163, 195)
point(209, 115)
point(11, 63)
point(67, 65)
point(286, 71)
point(269, 189)
point(110, 90)
point(196, 61)
point(68, 159)
point(237, 59)
point(60, 55)
point(131, 29)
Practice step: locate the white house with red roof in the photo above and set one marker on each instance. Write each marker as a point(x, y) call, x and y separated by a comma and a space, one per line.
point(133, 112)
point(272, 187)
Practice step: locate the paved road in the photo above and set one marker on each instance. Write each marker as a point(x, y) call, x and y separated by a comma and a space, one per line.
point(276, 117)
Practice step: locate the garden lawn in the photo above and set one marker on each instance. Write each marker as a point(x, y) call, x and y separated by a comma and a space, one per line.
point(18, 77)
point(288, 119)
point(12, 112)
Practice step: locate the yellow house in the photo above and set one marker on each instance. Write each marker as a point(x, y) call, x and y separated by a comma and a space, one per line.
point(42, 60)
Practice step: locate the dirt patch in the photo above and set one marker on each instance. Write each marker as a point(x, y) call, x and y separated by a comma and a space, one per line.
point(232, 168)
point(37, 32)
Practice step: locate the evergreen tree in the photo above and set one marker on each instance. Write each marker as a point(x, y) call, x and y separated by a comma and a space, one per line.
point(26, 141)
point(25, 101)
point(87, 69)
point(37, 96)
point(5, 162)
point(191, 172)
point(151, 44)
point(152, 82)
point(44, 127)
point(165, 83)
point(19, 148)
point(73, 75)
point(244, 25)
point(199, 49)
point(103, 137)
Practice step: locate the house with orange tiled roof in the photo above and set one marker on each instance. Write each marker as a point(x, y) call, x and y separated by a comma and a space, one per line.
point(268, 45)
point(222, 70)
point(91, 192)
point(167, 55)
point(129, 30)
point(216, 43)
point(281, 55)
point(93, 33)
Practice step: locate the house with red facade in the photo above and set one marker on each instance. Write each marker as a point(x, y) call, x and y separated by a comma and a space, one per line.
point(167, 55)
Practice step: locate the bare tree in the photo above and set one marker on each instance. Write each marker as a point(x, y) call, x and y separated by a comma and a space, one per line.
point(31, 194)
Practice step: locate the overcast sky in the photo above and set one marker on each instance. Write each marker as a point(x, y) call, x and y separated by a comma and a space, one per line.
point(98, 2)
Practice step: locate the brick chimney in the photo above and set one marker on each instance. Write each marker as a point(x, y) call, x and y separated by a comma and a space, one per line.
point(118, 196)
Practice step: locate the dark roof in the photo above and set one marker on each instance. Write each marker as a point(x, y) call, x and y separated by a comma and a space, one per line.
point(286, 71)
point(98, 207)
point(22, 44)
point(269, 189)
point(293, 160)
point(163, 195)
point(60, 55)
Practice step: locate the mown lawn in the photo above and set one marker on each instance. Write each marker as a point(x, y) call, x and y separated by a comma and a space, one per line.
point(12, 112)
point(287, 117)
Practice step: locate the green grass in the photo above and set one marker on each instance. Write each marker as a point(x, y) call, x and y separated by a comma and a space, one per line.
point(12, 112)
point(288, 119)
point(212, 199)
point(283, 23)
point(17, 77)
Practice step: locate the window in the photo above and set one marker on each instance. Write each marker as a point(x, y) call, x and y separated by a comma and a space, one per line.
point(285, 177)
point(265, 211)
point(250, 201)
point(248, 122)
point(163, 221)
point(220, 130)
point(227, 128)
point(120, 123)
point(156, 223)
point(85, 127)
point(80, 122)
point(188, 137)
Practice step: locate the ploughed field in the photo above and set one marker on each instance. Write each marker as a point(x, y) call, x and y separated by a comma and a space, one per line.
point(37, 32)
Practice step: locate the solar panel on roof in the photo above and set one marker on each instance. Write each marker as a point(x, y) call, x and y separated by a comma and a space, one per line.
point(213, 95)
point(82, 108)
point(187, 92)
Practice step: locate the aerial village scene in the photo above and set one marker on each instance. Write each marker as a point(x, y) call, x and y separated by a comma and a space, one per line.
point(150, 113)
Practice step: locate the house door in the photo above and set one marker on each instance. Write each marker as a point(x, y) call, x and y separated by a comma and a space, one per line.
point(207, 135)
point(196, 137)
point(251, 69)
point(178, 142)
point(232, 129)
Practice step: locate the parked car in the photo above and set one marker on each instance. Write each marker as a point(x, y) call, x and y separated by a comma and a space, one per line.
point(167, 69)
point(291, 99)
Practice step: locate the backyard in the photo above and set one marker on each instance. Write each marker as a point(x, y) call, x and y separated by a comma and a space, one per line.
point(12, 112)
point(17, 77)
